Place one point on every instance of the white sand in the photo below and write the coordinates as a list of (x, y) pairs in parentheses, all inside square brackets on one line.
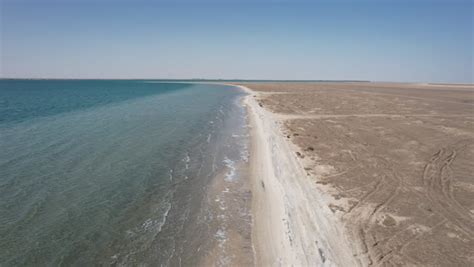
[(292, 224)]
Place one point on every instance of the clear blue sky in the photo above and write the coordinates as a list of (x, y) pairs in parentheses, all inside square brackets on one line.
[(385, 40)]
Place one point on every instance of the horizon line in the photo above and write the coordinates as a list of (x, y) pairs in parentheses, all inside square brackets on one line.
[(239, 80)]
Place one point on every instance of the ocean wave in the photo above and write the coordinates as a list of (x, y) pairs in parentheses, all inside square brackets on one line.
[(152, 226), (155, 226)]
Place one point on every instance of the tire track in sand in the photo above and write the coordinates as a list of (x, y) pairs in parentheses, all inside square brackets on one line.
[(437, 178)]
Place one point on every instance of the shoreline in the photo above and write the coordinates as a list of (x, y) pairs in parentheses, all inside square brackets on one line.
[(292, 224), (228, 195)]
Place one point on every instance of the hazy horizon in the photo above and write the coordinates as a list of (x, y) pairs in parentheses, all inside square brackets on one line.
[(394, 41)]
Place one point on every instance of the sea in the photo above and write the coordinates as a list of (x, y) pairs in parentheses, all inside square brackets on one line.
[(123, 172)]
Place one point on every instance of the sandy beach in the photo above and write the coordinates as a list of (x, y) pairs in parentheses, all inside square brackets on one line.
[(359, 174)]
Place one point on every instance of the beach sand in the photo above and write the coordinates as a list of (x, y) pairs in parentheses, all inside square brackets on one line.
[(362, 174)]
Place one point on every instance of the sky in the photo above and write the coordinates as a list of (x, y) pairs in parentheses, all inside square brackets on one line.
[(378, 40)]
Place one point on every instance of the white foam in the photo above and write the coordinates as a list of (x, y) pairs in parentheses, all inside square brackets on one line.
[(164, 217), (156, 225), (186, 159), (221, 236), (244, 153), (230, 175)]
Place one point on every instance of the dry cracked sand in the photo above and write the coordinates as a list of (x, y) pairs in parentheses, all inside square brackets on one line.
[(396, 158)]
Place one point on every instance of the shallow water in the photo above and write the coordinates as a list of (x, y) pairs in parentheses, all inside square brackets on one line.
[(118, 172)]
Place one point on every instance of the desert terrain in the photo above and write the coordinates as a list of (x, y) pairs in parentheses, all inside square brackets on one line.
[(396, 161)]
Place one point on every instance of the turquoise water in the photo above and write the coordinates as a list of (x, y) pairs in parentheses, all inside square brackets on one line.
[(112, 172)]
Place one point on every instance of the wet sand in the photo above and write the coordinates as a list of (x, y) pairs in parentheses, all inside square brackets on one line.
[(362, 173)]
